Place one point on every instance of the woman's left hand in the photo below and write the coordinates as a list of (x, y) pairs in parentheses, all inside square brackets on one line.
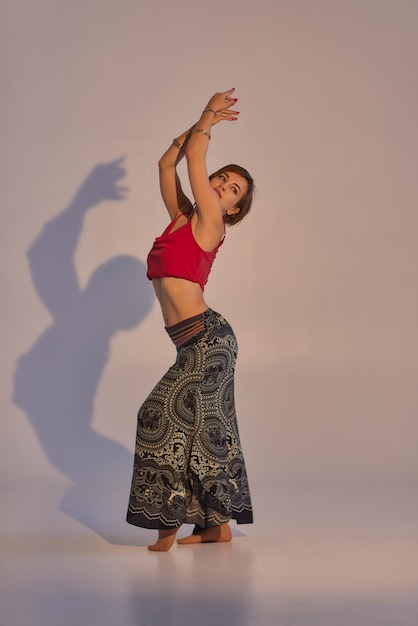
[(221, 103)]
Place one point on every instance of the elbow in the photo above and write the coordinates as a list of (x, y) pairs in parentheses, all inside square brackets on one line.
[(165, 164)]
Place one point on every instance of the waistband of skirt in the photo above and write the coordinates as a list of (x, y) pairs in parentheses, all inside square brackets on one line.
[(187, 329)]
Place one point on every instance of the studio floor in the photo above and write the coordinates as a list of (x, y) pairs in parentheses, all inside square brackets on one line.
[(315, 556)]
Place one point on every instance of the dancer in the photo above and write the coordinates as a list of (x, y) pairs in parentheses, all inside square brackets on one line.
[(189, 467)]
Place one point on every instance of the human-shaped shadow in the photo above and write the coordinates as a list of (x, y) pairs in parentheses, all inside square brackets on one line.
[(57, 379)]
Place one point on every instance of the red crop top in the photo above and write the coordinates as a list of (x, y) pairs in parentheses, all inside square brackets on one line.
[(179, 255)]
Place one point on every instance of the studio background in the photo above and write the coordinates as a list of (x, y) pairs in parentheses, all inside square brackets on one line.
[(319, 281)]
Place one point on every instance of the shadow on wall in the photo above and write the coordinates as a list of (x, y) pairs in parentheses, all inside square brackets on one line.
[(57, 379)]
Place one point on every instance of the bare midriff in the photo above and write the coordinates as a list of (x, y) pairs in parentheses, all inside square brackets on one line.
[(179, 299)]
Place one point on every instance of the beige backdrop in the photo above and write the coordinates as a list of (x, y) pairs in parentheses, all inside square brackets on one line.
[(320, 281)]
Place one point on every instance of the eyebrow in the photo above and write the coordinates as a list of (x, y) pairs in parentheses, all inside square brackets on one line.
[(227, 175)]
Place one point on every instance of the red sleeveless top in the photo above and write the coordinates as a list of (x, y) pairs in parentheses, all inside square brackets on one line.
[(179, 255)]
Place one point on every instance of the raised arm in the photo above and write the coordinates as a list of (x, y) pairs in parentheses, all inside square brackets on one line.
[(210, 218), (173, 196)]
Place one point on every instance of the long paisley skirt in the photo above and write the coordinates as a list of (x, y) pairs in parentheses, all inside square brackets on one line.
[(189, 467)]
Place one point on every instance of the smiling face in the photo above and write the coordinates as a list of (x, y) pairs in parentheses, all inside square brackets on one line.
[(231, 188)]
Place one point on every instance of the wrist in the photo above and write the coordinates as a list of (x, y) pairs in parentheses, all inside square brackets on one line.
[(203, 131), (178, 144)]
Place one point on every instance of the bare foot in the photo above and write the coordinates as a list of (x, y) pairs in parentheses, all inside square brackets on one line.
[(164, 542), (214, 534)]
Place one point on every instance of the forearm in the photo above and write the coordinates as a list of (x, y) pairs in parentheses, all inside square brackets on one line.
[(198, 141), (174, 153), (174, 198), (194, 144)]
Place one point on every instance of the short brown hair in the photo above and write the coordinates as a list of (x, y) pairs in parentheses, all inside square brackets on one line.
[(245, 203)]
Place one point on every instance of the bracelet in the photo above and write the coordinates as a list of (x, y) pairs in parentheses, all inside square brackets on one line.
[(201, 130), (209, 110), (178, 145)]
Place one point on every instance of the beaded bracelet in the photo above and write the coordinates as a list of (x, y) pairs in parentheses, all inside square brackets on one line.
[(201, 130), (178, 145)]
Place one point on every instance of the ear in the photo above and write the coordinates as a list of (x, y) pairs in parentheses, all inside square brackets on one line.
[(233, 211)]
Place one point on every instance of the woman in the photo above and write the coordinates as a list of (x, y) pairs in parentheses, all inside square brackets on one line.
[(189, 467)]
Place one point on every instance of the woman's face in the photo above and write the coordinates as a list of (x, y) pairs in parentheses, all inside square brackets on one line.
[(230, 188)]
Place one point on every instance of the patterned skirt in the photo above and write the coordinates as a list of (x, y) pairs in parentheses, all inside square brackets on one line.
[(189, 467)]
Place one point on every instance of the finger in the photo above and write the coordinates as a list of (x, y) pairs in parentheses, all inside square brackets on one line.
[(227, 95), (228, 104), (229, 118), (227, 112)]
